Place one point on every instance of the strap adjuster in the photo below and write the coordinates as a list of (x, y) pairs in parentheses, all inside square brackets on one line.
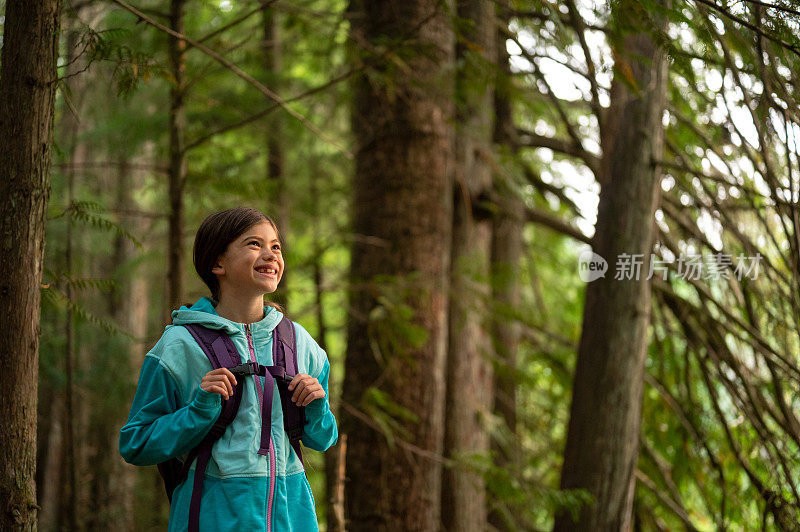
[(286, 379), (254, 368), (243, 370)]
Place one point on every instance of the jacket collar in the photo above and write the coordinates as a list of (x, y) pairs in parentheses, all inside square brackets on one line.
[(204, 313)]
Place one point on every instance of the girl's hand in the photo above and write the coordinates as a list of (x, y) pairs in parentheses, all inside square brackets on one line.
[(306, 389), (219, 381)]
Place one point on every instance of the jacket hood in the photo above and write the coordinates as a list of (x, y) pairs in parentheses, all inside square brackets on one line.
[(204, 313)]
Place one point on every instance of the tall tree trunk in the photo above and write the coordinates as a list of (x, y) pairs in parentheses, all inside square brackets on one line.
[(603, 435), (469, 374), (507, 226), (177, 156), (27, 93), (273, 55), (113, 489), (400, 259)]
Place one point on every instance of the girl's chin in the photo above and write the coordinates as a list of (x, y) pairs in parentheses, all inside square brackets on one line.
[(269, 286)]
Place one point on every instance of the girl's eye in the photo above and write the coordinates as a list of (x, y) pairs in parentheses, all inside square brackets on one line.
[(277, 246), (253, 242)]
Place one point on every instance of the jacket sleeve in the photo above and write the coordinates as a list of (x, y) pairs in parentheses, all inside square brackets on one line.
[(159, 427), (320, 431)]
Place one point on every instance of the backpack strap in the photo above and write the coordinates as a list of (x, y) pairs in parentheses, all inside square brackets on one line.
[(284, 354), (221, 352)]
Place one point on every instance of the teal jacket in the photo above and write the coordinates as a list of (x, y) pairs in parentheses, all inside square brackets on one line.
[(171, 414)]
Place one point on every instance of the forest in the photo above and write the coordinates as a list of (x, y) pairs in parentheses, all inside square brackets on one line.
[(551, 249)]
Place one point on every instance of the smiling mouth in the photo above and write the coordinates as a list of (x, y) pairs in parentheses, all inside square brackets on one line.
[(267, 272)]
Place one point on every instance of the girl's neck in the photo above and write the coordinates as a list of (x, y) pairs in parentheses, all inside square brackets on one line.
[(241, 311)]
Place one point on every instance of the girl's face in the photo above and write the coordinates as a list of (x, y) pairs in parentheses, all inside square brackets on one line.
[(252, 264)]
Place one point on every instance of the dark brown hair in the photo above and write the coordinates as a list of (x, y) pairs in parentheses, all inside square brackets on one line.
[(216, 232)]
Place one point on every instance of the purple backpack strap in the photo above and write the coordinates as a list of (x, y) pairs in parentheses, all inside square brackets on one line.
[(284, 355), (221, 352)]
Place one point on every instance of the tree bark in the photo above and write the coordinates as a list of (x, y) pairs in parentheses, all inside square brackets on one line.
[(507, 225), (402, 120), (177, 157), (603, 435), (27, 93), (469, 370)]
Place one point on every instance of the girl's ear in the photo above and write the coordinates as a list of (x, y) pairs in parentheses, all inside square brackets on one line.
[(218, 269)]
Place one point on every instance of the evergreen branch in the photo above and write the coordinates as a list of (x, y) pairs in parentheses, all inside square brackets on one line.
[(791, 47), (239, 72), (235, 22), (385, 53), (546, 219), (776, 503), (532, 140), (573, 134), (371, 423), (667, 499), (695, 430), (532, 177), (58, 298), (250, 119), (203, 72), (543, 16), (80, 283), (129, 65), (773, 6), (579, 26), (84, 211), (534, 215)]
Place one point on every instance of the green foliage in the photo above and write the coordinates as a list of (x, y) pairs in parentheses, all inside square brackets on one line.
[(388, 415), (79, 283), (517, 496), (87, 212), (59, 300), (391, 328), (130, 66)]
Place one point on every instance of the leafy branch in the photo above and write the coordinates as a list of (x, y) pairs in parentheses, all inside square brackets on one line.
[(86, 211)]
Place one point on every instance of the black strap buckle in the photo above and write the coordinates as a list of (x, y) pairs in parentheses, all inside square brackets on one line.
[(285, 379), (243, 370)]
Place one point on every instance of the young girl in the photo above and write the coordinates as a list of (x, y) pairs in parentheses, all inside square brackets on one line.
[(237, 253)]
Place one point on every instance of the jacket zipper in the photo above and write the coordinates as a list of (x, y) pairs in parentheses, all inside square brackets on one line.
[(271, 447)]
